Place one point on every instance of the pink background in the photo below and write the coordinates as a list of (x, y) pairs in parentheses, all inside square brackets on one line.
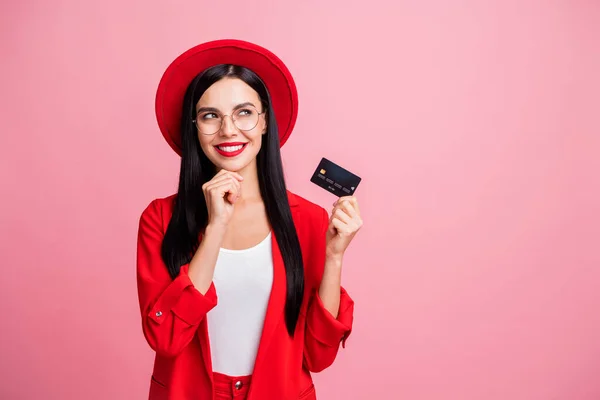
[(475, 127)]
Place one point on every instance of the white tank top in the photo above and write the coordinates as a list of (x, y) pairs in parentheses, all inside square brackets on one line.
[(243, 280)]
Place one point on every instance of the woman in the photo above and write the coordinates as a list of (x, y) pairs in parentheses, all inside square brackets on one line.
[(238, 278)]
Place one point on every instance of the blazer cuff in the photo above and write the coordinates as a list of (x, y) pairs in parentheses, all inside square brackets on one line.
[(327, 329), (184, 300)]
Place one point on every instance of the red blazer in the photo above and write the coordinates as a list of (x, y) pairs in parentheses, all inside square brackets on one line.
[(174, 323)]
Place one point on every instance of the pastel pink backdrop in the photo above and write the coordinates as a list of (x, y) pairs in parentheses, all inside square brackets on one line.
[(474, 125)]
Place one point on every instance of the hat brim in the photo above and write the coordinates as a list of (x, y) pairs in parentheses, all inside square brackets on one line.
[(180, 73)]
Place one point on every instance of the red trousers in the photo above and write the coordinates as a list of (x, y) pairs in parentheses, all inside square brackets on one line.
[(231, 387)]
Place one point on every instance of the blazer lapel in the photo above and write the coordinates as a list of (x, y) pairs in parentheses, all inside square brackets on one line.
[(205, 347)]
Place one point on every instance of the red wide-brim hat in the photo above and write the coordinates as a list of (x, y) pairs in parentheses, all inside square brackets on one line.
[(181, 72)]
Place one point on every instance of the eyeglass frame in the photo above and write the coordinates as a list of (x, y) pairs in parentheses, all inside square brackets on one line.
[(222, 116)]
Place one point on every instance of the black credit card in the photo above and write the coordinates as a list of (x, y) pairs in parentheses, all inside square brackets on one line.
[(335, 179)]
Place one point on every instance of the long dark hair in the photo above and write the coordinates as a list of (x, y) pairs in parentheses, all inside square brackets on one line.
[(190, 214)]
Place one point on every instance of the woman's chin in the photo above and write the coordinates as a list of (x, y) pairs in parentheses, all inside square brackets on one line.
[(229, 165), (234, 164)]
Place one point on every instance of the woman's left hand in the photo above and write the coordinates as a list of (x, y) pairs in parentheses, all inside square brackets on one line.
[(344, 222)]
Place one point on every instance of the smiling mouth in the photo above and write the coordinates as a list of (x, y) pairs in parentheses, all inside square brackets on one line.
[(231, 149)]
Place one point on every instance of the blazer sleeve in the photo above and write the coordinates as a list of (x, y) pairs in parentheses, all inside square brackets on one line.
[(323, 332), (171, 309)]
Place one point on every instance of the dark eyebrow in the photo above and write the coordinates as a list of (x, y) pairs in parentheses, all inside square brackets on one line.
[(216, 110)]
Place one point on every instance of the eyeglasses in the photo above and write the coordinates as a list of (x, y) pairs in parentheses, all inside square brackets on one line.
[(210, 121)]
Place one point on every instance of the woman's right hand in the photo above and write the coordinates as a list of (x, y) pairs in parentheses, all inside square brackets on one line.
[(221, 193)]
